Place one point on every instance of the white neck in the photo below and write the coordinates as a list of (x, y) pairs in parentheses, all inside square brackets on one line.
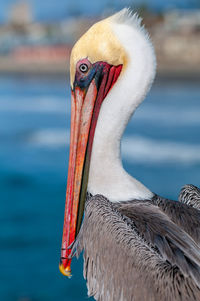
[(106, 175)]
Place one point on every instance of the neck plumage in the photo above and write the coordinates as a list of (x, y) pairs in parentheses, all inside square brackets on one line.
[(107, 175)]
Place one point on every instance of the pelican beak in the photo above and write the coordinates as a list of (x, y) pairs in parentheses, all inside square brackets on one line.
[(86, 99)]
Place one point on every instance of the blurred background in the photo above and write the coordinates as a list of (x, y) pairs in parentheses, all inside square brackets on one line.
[(161, 146)]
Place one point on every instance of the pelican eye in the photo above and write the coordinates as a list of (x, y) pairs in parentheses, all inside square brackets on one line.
[(83, 68)]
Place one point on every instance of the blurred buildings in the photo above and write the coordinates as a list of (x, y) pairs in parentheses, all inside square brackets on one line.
[(177, 41), (45, 47), (20, 14)]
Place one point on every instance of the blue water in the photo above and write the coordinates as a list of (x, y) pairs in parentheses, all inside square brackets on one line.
[(161, 147)]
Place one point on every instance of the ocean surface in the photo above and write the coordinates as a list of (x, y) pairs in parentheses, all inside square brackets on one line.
[(161, 148)]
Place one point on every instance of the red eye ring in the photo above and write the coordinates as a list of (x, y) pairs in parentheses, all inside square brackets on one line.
[(83, 68)]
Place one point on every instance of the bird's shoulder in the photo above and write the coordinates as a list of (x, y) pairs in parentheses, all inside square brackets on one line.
[(181, 213), (190, 195), (164, 234)]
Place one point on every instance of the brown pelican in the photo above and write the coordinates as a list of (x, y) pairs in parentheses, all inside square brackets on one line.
[(137, 245)]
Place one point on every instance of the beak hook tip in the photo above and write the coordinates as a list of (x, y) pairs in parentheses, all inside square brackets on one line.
[(65, 271)]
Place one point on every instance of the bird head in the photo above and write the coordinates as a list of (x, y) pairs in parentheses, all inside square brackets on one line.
[(98, 61)]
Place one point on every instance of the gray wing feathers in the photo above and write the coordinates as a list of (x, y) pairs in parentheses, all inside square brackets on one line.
[(190, 195), (173, 244), (128, 258), (183, 215)]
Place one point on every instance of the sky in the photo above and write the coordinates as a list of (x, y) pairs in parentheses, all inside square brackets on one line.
[(44, 10)]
